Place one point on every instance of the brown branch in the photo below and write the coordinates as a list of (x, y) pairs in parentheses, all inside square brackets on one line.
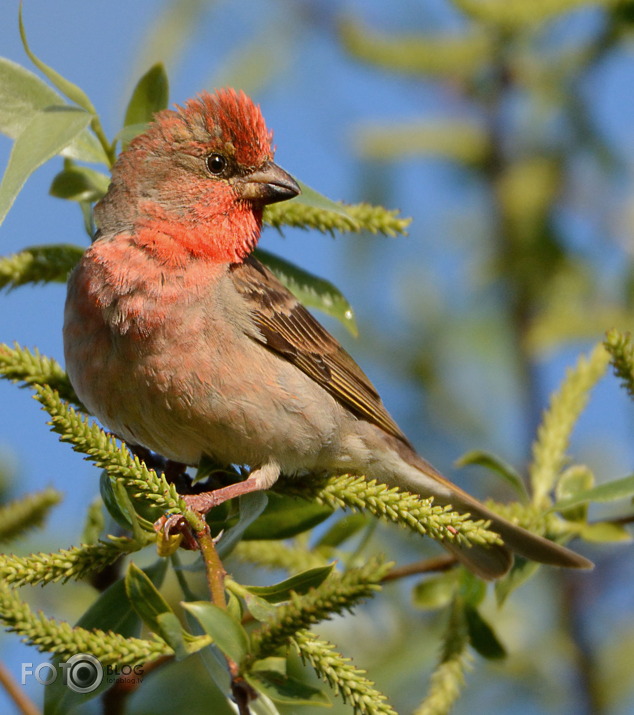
[(439, 563), (213, 566), (23, 703), (242, 692)]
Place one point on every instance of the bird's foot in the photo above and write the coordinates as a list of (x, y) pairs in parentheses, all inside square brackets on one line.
[(262, 478), (174, 531), (206, 501)]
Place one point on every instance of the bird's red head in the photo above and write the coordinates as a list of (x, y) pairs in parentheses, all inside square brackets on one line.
[(197, 180)]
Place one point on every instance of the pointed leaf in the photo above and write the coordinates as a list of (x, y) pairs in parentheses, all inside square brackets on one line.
[(611, 491), (575, 479), (435, 592), (273, 663), (497, 465), (74, 93), (260, 609), (22, 95), (48, 132), (286, 516), (604, 531), (168, 625), (212, 659), (482, 636), (311, 291), (251, 506), (127, 134), (116, 510), (226, 632), (150, 95), (145, 598), (299, 583), (312, 198), (284, 689), (173, 633), (110, 612), (79, 183), (521, 572)]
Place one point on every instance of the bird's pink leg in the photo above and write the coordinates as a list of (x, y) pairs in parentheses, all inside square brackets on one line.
[(259, 479)]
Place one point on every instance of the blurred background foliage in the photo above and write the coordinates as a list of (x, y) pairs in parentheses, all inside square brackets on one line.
[(504, 129)]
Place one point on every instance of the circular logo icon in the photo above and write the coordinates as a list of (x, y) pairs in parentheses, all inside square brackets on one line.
[(83, 673)]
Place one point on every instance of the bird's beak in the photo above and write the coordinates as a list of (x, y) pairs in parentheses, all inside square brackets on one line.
[(267, 185)]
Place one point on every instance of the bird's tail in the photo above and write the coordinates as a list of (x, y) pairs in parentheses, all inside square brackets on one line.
[(487, 562)]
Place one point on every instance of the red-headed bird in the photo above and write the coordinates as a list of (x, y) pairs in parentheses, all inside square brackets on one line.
[(180, 341)]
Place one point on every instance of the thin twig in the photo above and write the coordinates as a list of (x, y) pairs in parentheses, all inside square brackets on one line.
[(216, 580), (438, 563), (23, 703), (213, 566)]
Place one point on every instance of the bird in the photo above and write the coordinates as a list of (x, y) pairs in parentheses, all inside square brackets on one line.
[(181, 342)]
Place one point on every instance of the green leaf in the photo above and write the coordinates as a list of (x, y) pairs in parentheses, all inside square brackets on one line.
[(74, 93), (48, 132), (260, 609), (251, 507), (435, 592), (497, 465), (111, 611), (273, 663), (299, 583), (482, 637), (145, 598), (284, 689), (127, 134), (575, 479), (22, 95), (235, 607), (227, 633), (312, 198), (286, 516), (611, 491), (183, 643), (150, 95), (604, 531), (79, 183), (116, 510), (310, 290), (343, 529), (521, 572)]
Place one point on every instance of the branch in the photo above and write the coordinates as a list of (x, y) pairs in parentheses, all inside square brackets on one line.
[(392, 504)]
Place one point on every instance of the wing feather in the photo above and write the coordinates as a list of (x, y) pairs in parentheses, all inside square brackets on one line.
[(287, 328)]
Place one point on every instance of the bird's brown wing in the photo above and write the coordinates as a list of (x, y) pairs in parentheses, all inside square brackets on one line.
[(287, 328)]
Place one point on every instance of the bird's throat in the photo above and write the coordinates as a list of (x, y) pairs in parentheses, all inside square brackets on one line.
[(218, 237)]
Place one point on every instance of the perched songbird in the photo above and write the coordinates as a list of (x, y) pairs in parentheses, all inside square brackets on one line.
[(179, 341)]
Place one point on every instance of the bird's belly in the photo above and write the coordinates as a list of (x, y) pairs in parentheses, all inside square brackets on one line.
[(200, 399)]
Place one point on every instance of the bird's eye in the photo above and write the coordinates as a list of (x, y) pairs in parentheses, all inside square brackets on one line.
[(216, 163)]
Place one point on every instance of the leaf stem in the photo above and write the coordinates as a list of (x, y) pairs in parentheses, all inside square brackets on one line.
[(95, 125)]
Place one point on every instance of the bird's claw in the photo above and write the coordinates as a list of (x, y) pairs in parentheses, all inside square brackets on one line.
[(174, 531)]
